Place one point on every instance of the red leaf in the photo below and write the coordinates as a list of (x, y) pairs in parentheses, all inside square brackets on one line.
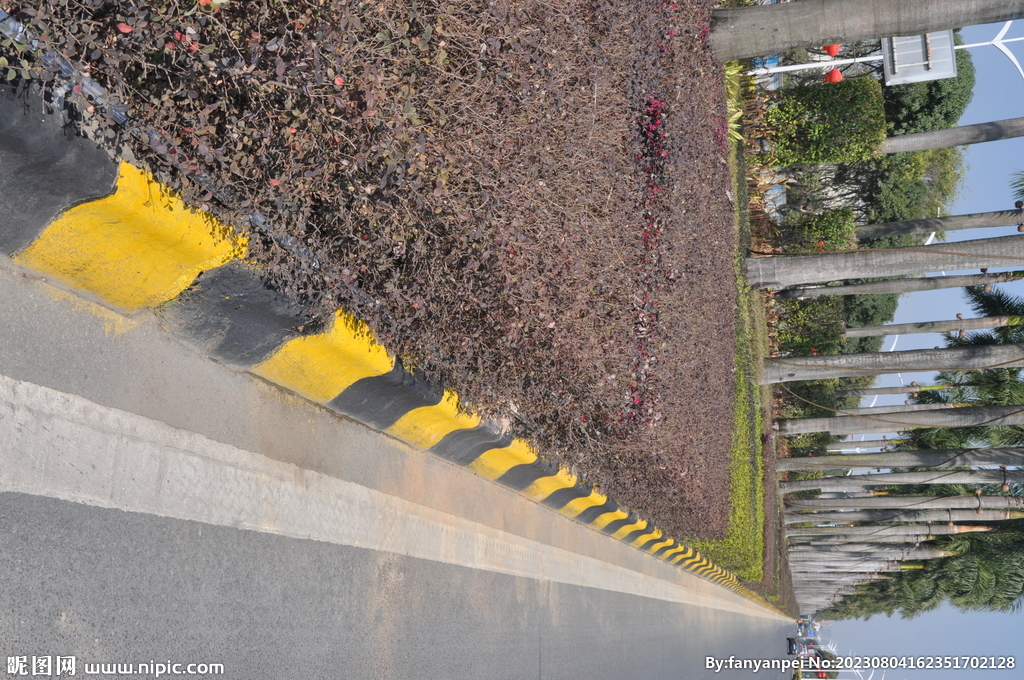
[(124, 28), (205, 3), (339, 81), (275, 182)]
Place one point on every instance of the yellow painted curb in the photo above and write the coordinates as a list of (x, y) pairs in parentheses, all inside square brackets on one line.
[(425, 426), (137, 248), (322, 366)]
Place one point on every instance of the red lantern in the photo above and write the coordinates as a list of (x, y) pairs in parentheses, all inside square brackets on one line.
[(831, 50), (834, 76)]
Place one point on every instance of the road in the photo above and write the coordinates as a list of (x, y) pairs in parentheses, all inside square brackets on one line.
[(159, 508)]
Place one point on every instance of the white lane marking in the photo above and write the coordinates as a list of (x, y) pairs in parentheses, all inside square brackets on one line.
[(64, 446)]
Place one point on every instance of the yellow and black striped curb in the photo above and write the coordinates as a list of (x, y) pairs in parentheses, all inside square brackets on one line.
[(72, 214)]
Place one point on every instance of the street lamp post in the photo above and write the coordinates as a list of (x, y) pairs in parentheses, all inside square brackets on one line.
[(996, 42)]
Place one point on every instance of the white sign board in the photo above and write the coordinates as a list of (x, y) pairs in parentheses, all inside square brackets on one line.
[(918, 58)]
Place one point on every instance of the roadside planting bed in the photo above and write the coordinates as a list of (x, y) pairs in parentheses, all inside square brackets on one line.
[(525, 200)]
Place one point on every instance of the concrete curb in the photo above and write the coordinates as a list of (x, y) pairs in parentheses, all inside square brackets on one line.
[(70, 213)]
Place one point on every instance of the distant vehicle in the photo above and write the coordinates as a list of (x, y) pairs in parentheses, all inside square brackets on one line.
[(798, 646)]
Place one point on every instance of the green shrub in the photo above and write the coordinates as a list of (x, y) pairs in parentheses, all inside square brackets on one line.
[(808, 327), (830, 230), (828, 122)]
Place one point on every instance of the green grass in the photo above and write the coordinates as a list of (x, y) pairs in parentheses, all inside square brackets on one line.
[(742, 549)]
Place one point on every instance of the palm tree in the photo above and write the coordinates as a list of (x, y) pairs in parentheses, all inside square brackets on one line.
[(847, 539), (898, 286), (854, 482), (741, 32), (788, 369), (1010, 456), (899, 389), (990, 387), (989, 303), (863, 443), (971, 502), (797, 270), (874, 533), (934, 326), (900, 408), (927, 225), (955, 136), (940, 417), (987, 573), (1017, 184), (904, 515), (885, 550)]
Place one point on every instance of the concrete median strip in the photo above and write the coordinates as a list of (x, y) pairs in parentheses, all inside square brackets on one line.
[(137, 464), (129, 242)]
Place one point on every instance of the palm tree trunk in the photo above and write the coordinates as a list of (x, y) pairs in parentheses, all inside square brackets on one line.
[(810, 580), (847, 494), (847, 539), (955, 136), (788, 369), (854, 482), (741, 32), (904, 516), (967, 416), (935, 326), (899, 389), (998, 218), (883, 550), (797, 270), (862, 444), (1010, 456), (909, 502), (899, 286), (899, 408), (854, 563), (875, 533)]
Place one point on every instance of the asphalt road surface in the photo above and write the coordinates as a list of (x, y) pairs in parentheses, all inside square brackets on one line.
[(157, 508)]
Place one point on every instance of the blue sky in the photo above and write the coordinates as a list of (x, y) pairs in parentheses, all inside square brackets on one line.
[(999, 94)]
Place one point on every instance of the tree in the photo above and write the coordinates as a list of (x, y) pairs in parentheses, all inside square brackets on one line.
[(875, 550), (1001, 385), (899, 408), (955, 136), (824, 123), (741, 32), (987, 573), (909, 503), (899, 389), (875, 533), (935, 326), (934, 104), (900, 286), (780, 271), (904, 515), (787, 369), (855, 482), (1017, 184), (939, 416), (1010, 456), (993, 302), (990, 387), (927, 225)]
